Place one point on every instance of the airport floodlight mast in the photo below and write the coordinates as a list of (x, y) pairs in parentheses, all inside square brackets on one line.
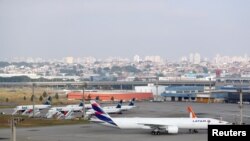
[(157, 89), (13, 128), (33, 99), (241, 105), (83, 89), (210, 91)]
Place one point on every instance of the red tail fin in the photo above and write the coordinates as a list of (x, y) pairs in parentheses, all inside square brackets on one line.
[(191, 112)]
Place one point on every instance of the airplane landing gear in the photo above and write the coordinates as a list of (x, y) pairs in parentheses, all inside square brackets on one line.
[(191, 131), (155, 132)]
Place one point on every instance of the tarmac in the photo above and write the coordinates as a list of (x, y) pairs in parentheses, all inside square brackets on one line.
[(94, 132)]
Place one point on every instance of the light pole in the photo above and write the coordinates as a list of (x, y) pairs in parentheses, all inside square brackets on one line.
[(13, 128), (83, 88), (33, 99), (210, 91), (156, 86), (241, 105)]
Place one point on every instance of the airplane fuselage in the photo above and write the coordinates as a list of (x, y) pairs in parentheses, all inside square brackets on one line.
[(148, 123), (26, 109)]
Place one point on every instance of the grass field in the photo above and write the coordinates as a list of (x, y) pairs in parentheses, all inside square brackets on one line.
[(15, 96), (3, 107), (34, 122)]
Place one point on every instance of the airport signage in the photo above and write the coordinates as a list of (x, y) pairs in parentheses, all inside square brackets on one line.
[(216, 132)]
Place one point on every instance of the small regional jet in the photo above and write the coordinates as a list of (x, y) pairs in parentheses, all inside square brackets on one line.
[(130, 106), (108, 109), (28, 109), (86, 106), (64, 112), (156, 125)]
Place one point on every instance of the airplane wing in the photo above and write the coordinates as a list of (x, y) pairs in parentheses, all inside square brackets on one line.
[(172, 129), (154, 126)]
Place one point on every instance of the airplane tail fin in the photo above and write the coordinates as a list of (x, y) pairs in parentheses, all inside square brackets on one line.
[(132, 102), (119, 105), (191, 112), (101, 114), (81, 104), (48, 101)]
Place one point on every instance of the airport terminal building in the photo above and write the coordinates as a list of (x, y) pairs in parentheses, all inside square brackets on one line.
[(181, 93), (231, 93), (227, 94)]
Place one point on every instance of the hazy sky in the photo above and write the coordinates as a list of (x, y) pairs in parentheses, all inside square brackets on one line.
[(102, 28)]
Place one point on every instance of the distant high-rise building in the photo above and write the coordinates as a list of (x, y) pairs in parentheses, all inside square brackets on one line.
[(89, 59), (184, 59), (156, 59), (137, 58), (191, 58), (197, 58), (194, 58), (69, 60), (206, 59)]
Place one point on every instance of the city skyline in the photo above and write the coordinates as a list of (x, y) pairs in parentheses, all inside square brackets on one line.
[(194, 58), (170, 29)]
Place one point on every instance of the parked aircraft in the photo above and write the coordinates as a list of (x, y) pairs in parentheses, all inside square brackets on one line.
[(28, 109), (156, 125), (130, 106), (64, 112), (108, 109)]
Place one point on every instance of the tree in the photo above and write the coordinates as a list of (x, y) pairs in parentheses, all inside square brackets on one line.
[(24, 98), (97, 98), (89, 97), (112, 99), (41, 98), (160, 74), (131, 69), (7, 99), (57, 96), (205, 70), (32, 98), (45, 94)]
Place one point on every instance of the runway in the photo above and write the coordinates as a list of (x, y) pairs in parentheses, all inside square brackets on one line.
[(93, 132)]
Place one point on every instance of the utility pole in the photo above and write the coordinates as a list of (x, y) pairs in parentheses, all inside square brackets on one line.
[(33, 99), (241, 106), (157, 96), (210, 91), (13, 128), (83, 88)]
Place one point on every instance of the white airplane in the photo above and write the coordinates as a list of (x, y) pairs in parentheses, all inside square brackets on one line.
[(157, 125), (64, 112), (108, 109), (130, 106), (28, 109), (86, 106)]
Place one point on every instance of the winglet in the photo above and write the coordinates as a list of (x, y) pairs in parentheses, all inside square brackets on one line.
[(191, 112)]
